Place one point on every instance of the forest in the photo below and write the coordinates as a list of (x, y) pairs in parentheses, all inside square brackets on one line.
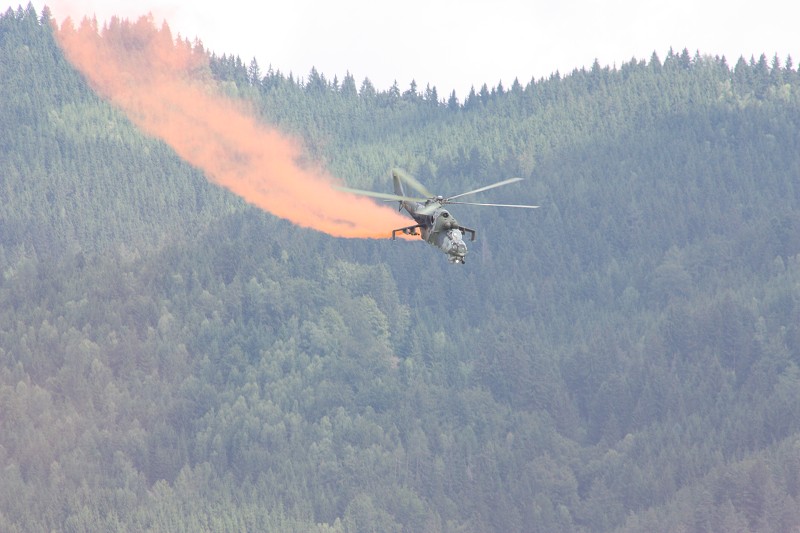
[(624, 359)]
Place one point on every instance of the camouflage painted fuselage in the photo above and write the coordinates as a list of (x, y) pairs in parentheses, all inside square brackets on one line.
[(438, 227)]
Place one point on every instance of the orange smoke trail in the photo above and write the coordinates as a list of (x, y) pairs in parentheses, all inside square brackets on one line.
[(165, 88)]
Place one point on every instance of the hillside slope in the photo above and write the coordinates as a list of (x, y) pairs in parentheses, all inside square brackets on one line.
[(624, 359)]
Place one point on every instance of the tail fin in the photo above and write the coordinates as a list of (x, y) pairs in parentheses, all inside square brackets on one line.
[(398, 188)]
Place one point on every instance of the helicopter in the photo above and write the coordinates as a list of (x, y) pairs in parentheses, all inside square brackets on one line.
[(434, 224)]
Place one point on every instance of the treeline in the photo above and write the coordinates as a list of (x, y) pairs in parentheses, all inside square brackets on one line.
[(753, 75), (624, 359)]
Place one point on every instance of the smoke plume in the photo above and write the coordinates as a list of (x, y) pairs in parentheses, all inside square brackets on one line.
[(164, 86)]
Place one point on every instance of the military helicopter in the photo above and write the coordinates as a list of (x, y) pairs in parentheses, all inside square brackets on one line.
[(436, 225)]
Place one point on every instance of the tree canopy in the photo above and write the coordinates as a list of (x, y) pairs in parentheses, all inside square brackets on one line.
[(623, 359)]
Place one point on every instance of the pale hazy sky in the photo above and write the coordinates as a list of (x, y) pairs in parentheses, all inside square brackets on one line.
[(454, 45)]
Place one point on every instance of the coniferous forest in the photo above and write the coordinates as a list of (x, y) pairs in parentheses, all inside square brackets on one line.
[(624, 359)]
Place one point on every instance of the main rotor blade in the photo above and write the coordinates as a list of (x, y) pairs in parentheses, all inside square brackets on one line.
[(429, 209), (498, 184), (383, 195), (496, 205), (416, 185)]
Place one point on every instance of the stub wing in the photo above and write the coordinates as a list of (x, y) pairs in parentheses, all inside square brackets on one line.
[(408, 230), (468, 230)]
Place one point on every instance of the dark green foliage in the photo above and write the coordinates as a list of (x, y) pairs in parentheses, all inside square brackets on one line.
[(624, 359)]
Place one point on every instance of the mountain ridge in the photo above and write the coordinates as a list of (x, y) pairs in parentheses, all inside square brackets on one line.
[(626, 359)]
